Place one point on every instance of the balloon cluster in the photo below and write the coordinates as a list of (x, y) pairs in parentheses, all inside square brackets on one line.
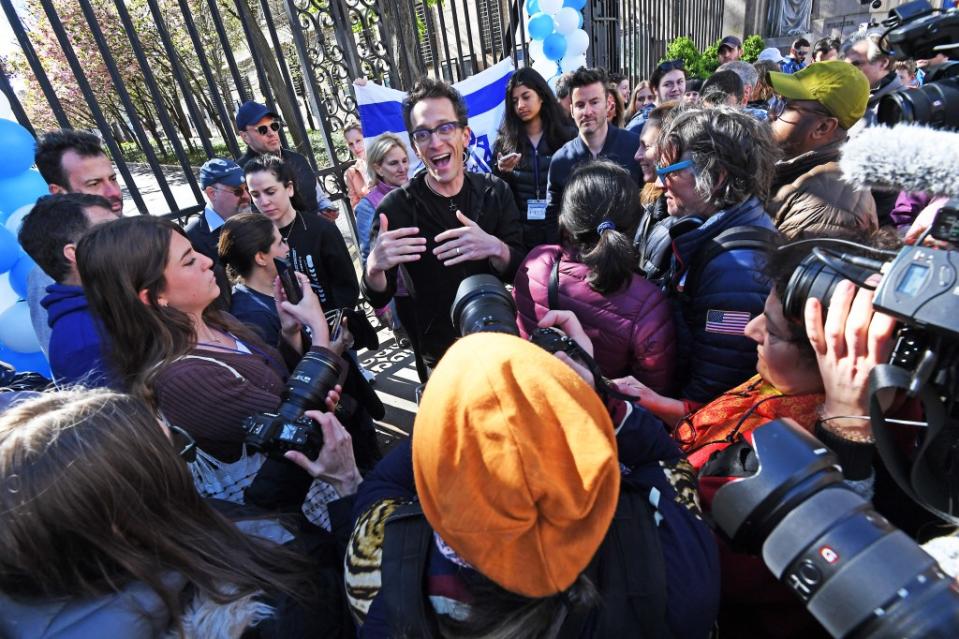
[(20, 186), (558, 42)]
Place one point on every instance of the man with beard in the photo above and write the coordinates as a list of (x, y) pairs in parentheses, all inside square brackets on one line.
[(811, 116), (596, 139), (71, 162)]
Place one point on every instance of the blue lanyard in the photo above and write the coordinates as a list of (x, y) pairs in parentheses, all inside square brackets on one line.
[(535, 167)]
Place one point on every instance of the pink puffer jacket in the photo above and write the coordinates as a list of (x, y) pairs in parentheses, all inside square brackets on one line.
[(631, 330)]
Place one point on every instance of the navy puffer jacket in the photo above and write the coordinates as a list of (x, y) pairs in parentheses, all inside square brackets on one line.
[(714, 353), (527, 181), (631, 330)]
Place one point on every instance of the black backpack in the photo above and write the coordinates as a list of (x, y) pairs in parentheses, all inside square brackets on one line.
[(628, 571)]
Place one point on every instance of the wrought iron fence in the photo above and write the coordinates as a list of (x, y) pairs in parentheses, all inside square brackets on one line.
[(194, 61)]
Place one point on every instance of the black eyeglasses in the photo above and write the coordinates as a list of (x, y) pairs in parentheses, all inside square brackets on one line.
[(445, 132), (263, 129), (183, 443)]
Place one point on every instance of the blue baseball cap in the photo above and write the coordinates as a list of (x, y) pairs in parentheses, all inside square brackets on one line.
[(251, 112), (220, 171)]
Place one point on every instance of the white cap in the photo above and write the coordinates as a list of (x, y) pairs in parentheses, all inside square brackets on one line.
[(771, 53)]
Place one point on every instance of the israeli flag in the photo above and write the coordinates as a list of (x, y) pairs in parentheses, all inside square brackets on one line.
[(381, 111)]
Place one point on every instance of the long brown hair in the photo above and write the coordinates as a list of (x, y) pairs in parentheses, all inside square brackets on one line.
[(94, 497), (118, 260)]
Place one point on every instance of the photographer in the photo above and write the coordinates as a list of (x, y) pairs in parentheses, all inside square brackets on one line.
[(518, 469), (200, 368)]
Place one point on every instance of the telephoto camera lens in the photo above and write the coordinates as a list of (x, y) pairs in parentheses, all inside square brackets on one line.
[(314, 377), (858, 575), (814, 278), (482, 304)]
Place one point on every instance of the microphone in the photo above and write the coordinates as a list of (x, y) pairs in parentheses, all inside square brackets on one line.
[(905, 157)]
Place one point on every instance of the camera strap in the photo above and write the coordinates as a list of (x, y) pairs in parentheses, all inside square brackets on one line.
[(929, 477)]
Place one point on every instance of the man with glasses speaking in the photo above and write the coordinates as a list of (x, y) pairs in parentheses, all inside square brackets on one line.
[(260, 128), (811, 115), (445, 225)]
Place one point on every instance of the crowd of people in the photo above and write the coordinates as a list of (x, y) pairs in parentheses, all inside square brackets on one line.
[(652, 226)]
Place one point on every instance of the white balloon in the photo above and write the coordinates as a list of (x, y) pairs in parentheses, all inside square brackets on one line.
[(535, 48), (546, 68), (567, 21), (8, 296), (572, 62), (16, 218), (550, 7), (16, 330), (577, 42)]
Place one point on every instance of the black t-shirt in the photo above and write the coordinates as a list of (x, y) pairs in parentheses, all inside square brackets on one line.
[(317, 250), (442, 206)]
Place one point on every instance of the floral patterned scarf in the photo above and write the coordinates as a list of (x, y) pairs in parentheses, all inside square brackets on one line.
[(727, 418)]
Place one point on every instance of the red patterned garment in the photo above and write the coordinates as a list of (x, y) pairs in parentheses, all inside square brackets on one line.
[(727, 418)]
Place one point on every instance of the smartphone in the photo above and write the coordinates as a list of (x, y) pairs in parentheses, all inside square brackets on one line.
[(510, 156), (291, 285)]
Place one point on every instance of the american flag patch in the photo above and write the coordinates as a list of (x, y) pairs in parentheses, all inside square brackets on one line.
[(726, 322)]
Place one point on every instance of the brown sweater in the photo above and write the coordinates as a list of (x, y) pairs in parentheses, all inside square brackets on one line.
[(209, 401)]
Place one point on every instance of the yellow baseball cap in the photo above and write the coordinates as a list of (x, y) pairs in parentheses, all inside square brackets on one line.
[(839, 86)]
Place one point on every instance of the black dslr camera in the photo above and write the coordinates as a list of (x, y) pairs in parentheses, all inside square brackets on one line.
[(915, 32), (858, 575), (482, 304), (306, 389)]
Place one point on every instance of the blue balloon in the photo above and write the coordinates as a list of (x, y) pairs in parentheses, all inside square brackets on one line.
[(19, 273), (575, 4), (580, 21), (9, 250), (18, 147), (24, 188), (554, 46), (532, 7), (540, 26), (26, 362)]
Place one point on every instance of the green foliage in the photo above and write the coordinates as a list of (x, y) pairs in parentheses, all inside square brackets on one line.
[(708, 61), (752, 47), (682, 48), (702, 64)]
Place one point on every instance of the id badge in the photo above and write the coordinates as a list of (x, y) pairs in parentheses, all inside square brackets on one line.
[(536, 210)]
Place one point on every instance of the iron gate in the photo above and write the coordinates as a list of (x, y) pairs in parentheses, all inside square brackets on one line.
[(160, 80)]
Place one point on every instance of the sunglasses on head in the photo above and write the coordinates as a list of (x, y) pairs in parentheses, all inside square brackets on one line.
[(272, 126), (672, 65)]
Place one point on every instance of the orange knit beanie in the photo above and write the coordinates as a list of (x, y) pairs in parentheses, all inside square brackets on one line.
[(515, 463)]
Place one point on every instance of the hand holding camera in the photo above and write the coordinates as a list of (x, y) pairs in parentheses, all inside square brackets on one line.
[(334, 463), (851, 342)]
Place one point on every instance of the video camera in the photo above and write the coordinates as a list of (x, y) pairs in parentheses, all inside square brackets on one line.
[(915, 32), (859, 576)]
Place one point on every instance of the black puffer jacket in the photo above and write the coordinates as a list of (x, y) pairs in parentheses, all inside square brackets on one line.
[(528, 182)]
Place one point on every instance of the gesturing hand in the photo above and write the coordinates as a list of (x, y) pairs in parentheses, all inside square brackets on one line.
[(848, 346), (468, 243), (394, 247), (335, 463)]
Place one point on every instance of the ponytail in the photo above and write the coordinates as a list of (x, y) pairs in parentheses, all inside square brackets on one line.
[(598, 221)]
